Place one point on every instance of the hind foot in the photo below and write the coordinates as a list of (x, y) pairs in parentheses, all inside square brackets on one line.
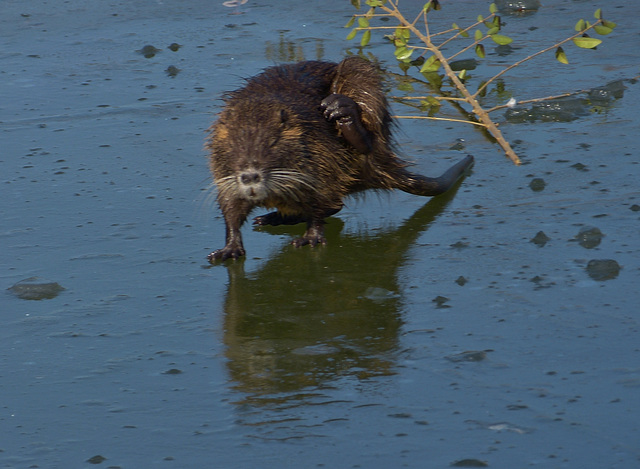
[(313, 236), (310, 240)]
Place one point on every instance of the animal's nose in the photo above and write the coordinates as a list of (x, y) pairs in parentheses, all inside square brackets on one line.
[(250, 177)]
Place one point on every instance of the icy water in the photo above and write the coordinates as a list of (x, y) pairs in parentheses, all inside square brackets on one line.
[(495, 326)]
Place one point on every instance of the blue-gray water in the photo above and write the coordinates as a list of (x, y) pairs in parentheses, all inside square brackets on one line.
[(423, 334)]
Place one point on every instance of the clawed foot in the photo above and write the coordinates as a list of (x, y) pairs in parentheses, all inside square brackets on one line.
[(311, 240), (346, 113), (340, 108), (227, 252), (313, 236)]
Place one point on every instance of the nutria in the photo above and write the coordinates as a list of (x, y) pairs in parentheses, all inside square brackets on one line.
[(300, 138)]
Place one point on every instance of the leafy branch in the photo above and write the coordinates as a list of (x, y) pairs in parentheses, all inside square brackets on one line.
[(405, 31)]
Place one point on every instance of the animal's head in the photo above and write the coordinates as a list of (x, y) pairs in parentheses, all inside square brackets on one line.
[(256, 152)]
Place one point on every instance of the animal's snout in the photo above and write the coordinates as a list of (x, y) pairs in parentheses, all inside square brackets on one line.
[(250, 177)]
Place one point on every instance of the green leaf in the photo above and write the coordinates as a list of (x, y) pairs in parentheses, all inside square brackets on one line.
[(455, 26), (478, 35), (434, 79), (501, 39), (493, 8), (430, 101), (480, 50), (598, 14), (356, 3), (561, 56), (580, 25), (431, 65), (352, 34), (609, 24), (350, 23), (403, 53), (586, 42), (480, 18), (363, 22), (493, 30), (462, 74), (403, 33), (602, 30), (366, 37), (427, 6), (464, 34)]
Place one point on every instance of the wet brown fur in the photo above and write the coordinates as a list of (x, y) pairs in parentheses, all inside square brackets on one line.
[(274, 127)]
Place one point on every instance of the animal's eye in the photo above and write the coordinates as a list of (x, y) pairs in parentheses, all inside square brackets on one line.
[(284, 117)]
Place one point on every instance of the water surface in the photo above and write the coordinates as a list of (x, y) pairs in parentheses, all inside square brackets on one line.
[(425, 333)]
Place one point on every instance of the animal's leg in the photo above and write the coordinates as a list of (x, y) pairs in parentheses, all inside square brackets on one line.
[(426, 186), (234, 218), (345, 112)]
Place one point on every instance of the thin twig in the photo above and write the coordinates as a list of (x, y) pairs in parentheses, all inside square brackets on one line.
[(448, 119), (439, 98), (473, 102)]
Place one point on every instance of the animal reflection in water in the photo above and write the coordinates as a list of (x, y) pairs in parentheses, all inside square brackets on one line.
[(306, 319)]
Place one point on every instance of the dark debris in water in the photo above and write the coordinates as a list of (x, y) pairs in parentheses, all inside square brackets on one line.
[(172, 71), (603, 269), (603, 95), (516, 6), (441, 301), (148, 51), (97, 459), (540, 239), (460, 245), (570, 108), (469, 463), (589, 237), (461, 281), (468, 356), (537, 184), (540, 283), (35, 288), (559, 110)]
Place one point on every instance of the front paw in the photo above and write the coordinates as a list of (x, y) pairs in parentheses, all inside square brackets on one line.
[(345, 112), (227, 252), (340, 108)]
